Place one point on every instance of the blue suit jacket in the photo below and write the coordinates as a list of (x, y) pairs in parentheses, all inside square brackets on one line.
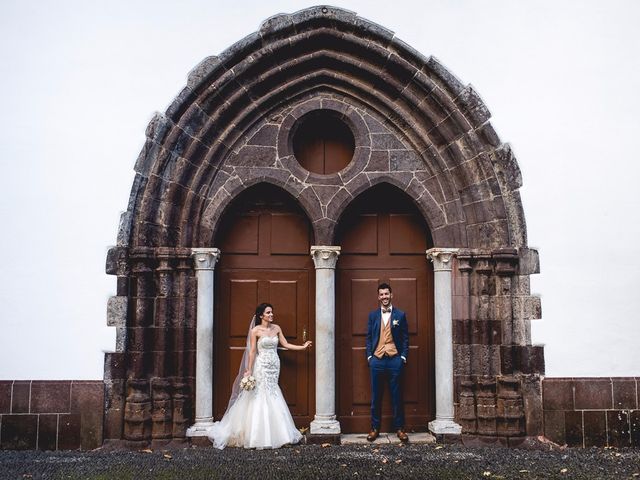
[(399, 331)]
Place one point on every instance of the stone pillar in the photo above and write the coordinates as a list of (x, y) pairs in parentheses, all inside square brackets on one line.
[(442, 259), (205, 261), (324, 422)]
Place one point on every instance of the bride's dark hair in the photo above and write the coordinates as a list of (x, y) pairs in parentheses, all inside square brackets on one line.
[(260, 311)]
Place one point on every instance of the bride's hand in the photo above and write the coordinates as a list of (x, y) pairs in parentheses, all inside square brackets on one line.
[(247, 373), (307, 344)]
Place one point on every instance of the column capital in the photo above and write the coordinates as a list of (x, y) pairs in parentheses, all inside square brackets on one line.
[(325, 256), (441, 258), (205, 258)]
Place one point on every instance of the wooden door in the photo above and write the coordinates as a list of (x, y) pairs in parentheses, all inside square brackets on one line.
[(384, 241), (265, 244)]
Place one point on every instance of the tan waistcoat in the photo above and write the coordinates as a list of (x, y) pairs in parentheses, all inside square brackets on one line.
[(385, 343)]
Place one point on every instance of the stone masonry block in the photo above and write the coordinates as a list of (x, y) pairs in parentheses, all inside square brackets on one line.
[(595, 428), (625, 393), (201, 71), (117, 311), (593, 393), (117, 261), (5, 396), (527, 308), (557, 394), (19, 432), (618, 428), (50, 396), (573, 426), (532, 399), (554, 426), (20, 399), (506, 168), (529, 261)]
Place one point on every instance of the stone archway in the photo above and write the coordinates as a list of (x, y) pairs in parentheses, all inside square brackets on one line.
[(415, 126)]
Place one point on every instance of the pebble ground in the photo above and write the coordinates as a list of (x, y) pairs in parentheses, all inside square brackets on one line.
[(417, 461)]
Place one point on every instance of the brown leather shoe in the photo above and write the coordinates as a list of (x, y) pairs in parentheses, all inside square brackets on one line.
[(373, 434), (404, 438)]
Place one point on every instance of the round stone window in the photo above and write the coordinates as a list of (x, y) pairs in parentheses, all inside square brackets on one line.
[(322, 143)]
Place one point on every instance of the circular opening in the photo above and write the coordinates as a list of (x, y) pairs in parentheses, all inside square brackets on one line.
[(322, 143)]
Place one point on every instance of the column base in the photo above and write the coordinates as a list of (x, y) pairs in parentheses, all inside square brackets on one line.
[(444, 427), (199, 429), (324, 426)]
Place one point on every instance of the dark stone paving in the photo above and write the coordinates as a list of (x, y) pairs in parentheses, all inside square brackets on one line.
[(316, 461)]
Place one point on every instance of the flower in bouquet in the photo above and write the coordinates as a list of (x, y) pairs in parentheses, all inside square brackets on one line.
[(248, 383)]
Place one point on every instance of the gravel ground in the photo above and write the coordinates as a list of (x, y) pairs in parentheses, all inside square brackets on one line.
[(314, 461)]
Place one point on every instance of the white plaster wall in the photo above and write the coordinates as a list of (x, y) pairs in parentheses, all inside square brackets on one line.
[(80, 80)]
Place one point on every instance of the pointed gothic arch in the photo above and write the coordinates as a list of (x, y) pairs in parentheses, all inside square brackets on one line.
[(415, 125)]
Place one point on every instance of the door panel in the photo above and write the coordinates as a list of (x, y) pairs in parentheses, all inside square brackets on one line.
[(384, 239), (264, 242)]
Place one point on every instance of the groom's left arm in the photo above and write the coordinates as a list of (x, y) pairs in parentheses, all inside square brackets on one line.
[(405, 337)]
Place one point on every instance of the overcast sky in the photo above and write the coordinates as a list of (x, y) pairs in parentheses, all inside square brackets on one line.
[(80, 80)]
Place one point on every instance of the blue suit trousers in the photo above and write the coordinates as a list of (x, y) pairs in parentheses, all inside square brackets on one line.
[(381, 369)]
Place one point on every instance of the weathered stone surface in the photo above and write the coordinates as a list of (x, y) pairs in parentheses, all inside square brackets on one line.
[(19, 432), (201, 71), (117, 311), (50, 396), (117, 261)]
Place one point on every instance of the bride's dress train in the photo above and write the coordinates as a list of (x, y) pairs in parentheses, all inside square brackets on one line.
[(259, 418)]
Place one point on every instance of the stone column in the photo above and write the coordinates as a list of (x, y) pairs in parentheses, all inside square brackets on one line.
[(205, 260), (443, 424), (324, 422)]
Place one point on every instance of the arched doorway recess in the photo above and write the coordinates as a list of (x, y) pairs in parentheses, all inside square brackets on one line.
[(265, 238), (383, 237)]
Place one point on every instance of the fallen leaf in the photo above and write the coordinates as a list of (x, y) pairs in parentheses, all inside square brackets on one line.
[(399, 461), (523, 471), (563, 470), (486, 474), (384, 460), (343, 464), (167, 456), (147, 450), (325, 445), (376, 450), (438, 447)]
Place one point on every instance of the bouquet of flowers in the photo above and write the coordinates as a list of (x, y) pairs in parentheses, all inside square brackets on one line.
[(248, 383)]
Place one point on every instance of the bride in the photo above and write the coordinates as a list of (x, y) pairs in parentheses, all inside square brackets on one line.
[(258, 418)]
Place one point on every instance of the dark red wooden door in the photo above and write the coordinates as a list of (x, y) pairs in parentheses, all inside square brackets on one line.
[(384, 238), (265, 242)]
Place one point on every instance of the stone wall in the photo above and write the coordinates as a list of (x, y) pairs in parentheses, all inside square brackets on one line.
[(149, 376), (585, 412), (51, 415), (496, 369)]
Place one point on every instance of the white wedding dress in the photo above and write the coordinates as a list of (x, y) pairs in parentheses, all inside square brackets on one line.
[(259, 418)]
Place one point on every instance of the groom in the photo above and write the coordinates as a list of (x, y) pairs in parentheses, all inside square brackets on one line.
[(387, 350)]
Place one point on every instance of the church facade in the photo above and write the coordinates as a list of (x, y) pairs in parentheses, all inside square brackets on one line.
[(312, 160)]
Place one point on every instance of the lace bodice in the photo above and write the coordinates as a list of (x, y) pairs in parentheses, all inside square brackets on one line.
[(267, 369), (267, 343)]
